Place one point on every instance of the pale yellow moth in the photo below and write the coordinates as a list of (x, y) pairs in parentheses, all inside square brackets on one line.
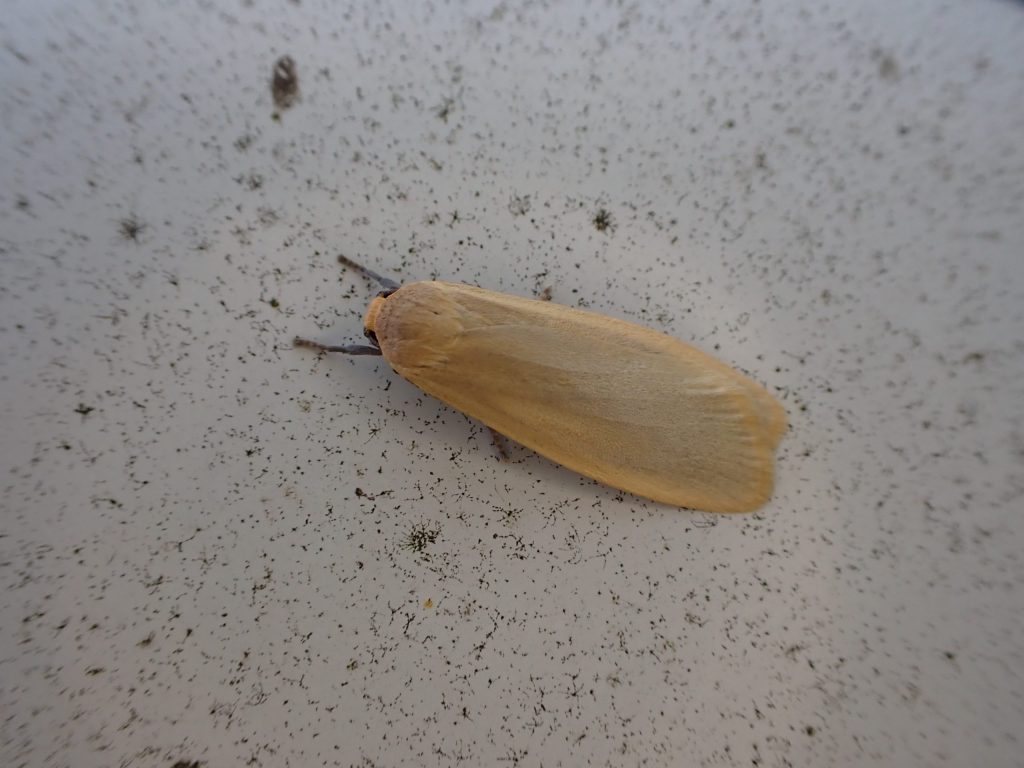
[(625, 405)]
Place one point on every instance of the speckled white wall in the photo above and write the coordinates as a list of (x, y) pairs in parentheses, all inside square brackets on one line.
[(217, 550)]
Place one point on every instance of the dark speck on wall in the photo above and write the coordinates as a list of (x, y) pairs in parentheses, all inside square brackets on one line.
[(284, 84), (444, 110), (888, 68)]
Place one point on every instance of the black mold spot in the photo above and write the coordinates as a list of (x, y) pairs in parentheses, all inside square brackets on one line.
[(131, 228), (603, 220)]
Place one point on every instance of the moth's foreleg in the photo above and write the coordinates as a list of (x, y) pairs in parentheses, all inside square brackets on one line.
[(499, 444)]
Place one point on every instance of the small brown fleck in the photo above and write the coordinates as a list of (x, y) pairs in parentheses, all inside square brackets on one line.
[(285, 84), (888, 69)]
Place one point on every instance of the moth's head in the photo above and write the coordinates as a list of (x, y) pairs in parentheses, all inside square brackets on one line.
[(415, 325), (372, 313)]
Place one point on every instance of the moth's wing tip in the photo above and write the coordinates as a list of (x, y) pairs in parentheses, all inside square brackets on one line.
[(771, 416), (733, 500), (765, 422), (753, 498), (776, 420)]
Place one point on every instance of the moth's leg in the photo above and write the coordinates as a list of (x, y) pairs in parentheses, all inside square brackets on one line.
[(346, 349), (386, 282), (499, 443)]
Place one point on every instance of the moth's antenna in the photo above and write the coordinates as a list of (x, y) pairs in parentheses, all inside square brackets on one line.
[(345, 349), (389, 285), (386, 282)]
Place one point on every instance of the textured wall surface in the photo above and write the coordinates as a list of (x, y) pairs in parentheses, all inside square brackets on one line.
[(217, 550)]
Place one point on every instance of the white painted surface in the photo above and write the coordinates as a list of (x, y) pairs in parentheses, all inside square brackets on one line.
[(204, 552)]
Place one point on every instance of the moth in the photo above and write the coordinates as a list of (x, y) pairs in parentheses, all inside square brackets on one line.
[(626, 405)]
